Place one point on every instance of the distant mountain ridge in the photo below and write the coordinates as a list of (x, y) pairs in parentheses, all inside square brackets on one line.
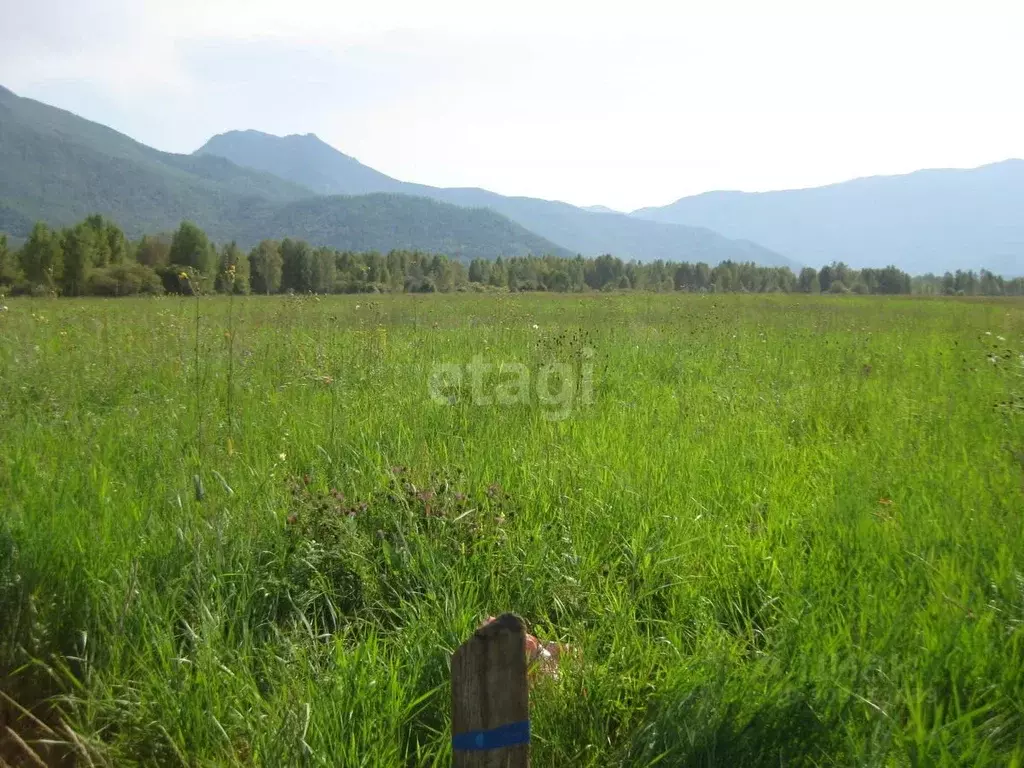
[(58, 167), (247, 185), (927, 221), (305, 157), (307, 160)]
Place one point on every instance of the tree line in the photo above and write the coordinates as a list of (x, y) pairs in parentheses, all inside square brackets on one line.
[(95, 258)]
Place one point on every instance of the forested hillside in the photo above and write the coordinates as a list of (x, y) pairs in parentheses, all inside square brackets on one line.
[(309, 161), (59, 168)]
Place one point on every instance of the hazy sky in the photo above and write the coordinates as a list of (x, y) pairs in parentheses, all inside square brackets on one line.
[(625, 104)]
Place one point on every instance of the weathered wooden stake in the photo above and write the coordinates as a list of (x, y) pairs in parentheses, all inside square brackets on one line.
[(490, 698)]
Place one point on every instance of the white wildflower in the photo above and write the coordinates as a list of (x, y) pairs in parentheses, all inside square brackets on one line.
[(282, 456)]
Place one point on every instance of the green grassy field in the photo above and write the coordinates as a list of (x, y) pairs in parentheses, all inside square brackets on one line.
[(784, 531)]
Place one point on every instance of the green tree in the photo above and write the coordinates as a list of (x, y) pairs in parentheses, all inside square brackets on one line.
[(991, 285), (153, 251), (825, 278), (606, 271), (723, 278), (232, 270), (80, 247), (41, 257), (478, 271), (808, 280), (94, 228), (191, 248), (10, 273), (322, 270), (117, 243), (265, 267), (376, 268), (296, 266), (948, 284), (683, 278), (844, 273), (558, 281), (965, 283), (497, 276), (124, 280)]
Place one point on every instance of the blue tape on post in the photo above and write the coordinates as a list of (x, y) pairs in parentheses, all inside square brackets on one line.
[(509, 735)]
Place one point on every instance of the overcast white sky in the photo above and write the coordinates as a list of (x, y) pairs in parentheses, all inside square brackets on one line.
[(625, 104)]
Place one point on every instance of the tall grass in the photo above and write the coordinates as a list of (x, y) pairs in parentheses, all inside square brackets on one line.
[(787, 530)]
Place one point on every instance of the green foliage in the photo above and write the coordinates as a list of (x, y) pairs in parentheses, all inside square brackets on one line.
[(297, 267), (233, 270), (479, 271), (124, 279), (81, 246), (825, 278), (41, 258), (265, 265), (785, 531), (90, 244), (154, 251), (398, 222), (84, 167), (10, 270), (110, 244), (967, 283), (191, 248), (322, 270), (808, 280)]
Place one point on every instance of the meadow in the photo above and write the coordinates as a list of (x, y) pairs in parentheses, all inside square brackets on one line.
[(780, 531)]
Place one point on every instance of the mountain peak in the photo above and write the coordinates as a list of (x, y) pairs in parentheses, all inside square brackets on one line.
[(256, 134), (303, 158), (312, 140), (307, 160), (58, 168)]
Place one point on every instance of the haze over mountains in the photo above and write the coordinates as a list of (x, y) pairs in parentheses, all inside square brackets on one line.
[(306, 160), (57, 167), (248, 185), (928, 221)]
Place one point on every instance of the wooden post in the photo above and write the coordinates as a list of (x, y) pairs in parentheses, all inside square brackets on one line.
[(490, 698)]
